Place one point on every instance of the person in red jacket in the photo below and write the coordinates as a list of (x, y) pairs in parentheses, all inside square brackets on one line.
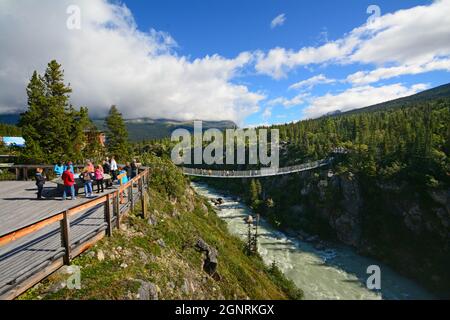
[(69, 182)]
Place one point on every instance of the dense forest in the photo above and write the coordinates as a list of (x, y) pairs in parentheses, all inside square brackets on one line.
[(9, 130), (388, 196), (409, 142)]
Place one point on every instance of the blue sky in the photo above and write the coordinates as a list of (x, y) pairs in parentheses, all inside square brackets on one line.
[(230, 27), (230, 61)]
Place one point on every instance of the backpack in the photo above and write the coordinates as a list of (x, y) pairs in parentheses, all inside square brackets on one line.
[(86, 176)]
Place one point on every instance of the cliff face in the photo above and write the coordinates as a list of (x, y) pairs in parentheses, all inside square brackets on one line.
[(402, 225)]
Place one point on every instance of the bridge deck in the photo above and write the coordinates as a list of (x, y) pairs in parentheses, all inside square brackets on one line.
[(266, 172), (27, 256)]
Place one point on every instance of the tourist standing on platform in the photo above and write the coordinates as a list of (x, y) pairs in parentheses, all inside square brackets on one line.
[(87, 178), (99, 178), (107, 170), (134, 168), (69, 166), (69, 182), (90, 167), (58, 169), (125, 177), (113, 167), (40, 181), (122, 181), (127, 169)]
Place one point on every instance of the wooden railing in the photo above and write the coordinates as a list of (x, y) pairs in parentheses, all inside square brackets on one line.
[(111, 200)]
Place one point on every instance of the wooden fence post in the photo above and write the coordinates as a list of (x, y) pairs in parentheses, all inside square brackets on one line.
[(117, 208), (130, 196), (143, 197), (108, 216), (65, 237)]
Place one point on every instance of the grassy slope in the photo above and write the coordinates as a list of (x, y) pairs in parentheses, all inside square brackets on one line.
[(173, 266)]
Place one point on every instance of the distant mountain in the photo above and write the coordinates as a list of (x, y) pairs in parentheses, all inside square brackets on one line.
[(9, 118), (427, 95), (147, 129), (333, 113)]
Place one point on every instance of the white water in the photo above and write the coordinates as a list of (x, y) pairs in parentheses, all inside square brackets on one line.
[(333, 273)]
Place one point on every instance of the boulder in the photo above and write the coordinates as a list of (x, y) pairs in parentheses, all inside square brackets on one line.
[(148, 291), (210, 262), (100, 255), (152, 221), (161, 243)]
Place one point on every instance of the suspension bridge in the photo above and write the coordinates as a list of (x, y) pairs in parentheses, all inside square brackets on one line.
[(260, 173)]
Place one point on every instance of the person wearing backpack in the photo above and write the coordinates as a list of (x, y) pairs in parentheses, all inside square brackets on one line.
[(87, 178), (107, 170)]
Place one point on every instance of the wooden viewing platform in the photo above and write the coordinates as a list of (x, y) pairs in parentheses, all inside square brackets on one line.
[(37, 237)]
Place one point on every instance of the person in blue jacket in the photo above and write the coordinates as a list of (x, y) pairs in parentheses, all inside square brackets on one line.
[(58, 169), (125, 177)]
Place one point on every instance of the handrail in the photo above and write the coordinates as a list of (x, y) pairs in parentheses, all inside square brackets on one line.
[(265, 172), (36, 226), (64, 230)]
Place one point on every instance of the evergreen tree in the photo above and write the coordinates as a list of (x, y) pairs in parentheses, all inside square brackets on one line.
[(9, 130), (117, 135), (50, 125), (31, 120)]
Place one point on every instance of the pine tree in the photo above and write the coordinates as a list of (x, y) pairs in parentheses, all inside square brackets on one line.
[(50, 127), (253, 191), (31, 121), (117, 135)]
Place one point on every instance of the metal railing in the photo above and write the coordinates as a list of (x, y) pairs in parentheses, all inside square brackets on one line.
[(265, 172)]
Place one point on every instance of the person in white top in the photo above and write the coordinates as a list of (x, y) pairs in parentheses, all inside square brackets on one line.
[(113, 169)]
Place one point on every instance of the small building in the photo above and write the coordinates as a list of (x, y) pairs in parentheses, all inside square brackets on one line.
[(93, 135)]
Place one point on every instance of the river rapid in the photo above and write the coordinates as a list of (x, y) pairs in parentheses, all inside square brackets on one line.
[(335, 272)]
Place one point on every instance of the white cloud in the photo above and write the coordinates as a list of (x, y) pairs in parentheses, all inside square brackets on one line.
[(311, 82), (409, 37), (366, 77), (278, 61), (289, 103), (109, 61), (267, 113), (358, 97), (278, 21)]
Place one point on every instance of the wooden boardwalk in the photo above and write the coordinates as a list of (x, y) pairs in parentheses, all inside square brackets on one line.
[(19, 207), (25, 260)]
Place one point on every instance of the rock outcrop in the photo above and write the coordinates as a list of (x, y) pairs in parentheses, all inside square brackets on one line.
[(398, 223), (210, 262)]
